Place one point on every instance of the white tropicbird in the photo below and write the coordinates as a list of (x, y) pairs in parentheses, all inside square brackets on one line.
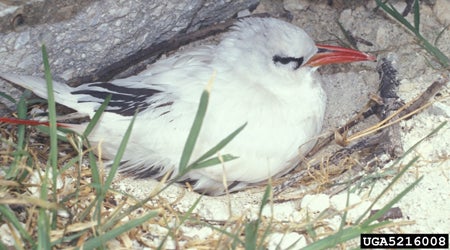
[(265, 76)]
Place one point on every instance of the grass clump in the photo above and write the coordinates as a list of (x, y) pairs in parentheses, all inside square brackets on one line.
[(84, 223), (415, 29)]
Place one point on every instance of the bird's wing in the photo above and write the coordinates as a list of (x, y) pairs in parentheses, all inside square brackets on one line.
[(175, 79), (127, 95), (159, 86)]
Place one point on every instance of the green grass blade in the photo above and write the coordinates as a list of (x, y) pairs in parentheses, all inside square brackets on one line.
[(46, 130), (20, 146), (437, 53), (212, 162), (194, 132), (102, 239), (69, 238), (434, 51), (102, 189), (53, 130), (43, 230), (330, 242), (96, 178), (96, 117), (221, 144), (189, 212), (387, 188), (99, 187), (3, 246), (204, 162), (198, 165), (264, 201), (43, 218), (126, 212), (185, 217), (416, 16), (8, 97), (251, 235), (7, 214), (251, 228), (120, 153), (96, 184), (52, 114), (390, 204), (391, 10)]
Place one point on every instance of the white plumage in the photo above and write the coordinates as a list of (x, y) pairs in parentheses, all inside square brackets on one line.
[(265, 76)]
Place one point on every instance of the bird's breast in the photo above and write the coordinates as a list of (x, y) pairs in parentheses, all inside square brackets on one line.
[(277, 126)]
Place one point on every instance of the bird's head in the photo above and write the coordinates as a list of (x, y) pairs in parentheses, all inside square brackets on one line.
[(272, 45)]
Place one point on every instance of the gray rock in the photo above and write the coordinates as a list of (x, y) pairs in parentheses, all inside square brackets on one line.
[(16, 13), (83, 36), (442, 9)]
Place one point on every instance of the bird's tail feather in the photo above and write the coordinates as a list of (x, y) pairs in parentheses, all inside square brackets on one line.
[(62, 92)]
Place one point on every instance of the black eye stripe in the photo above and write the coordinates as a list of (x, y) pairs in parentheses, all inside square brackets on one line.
[(288, 59)]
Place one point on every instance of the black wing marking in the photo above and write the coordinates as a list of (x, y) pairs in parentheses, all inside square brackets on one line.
[(142, 172), (124, 100)]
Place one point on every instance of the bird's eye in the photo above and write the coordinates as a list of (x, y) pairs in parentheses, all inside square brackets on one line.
[(295, 62)]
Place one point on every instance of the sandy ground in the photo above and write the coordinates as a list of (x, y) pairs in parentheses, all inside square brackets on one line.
[(426, 209)]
